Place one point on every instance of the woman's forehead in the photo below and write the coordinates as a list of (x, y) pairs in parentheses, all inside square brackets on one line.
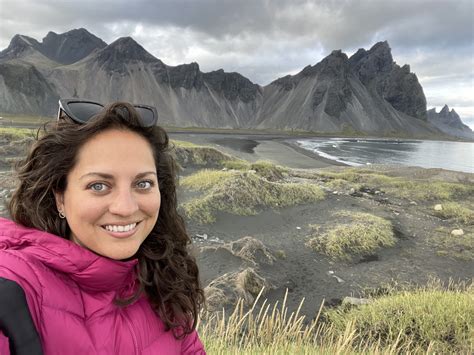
[(116, 153)]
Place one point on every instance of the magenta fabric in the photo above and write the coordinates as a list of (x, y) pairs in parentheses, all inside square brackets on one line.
[(70, 292)]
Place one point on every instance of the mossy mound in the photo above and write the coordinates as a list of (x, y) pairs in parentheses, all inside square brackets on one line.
[(245, 193), (440, 320), (189, 154), (363, 234)]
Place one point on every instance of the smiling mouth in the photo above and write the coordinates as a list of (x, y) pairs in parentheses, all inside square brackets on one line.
[(121, 228)]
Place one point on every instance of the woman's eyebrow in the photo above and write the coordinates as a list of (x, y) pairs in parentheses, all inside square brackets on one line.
[(109, 176)]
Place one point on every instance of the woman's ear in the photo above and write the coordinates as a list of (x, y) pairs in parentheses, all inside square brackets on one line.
[(59, 197)]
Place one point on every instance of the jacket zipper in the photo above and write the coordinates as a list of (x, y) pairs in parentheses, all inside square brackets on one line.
[(134, 337)]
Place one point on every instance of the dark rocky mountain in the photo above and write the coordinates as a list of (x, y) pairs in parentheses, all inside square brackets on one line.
[(367, 93), (449, 122), (71, 46), (65, 48)]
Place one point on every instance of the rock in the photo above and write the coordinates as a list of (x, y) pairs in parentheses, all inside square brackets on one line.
[(355, 301), (457, 232), (438, 207), (202, 236)]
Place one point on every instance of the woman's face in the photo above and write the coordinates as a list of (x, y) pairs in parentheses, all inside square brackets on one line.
[(112, 197)]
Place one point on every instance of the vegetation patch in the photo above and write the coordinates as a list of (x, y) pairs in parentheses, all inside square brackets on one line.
[(12, 133), (458, 247), (227, 289), (244, 193), (457, 212), (363, 234), (435, 319), (205, 179), (195, 155), (429, 320), (395, 186), (264, 168)]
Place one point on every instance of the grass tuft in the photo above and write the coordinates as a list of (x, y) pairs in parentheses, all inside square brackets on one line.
[(11, 133), (417, 321), (425, 318), (364, 234), (246, 193), (396, 186), (457, 212)]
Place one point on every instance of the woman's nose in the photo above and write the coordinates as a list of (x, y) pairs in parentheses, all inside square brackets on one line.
[(124, 203)]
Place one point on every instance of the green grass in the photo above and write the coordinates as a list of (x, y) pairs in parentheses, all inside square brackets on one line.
[(263, 168), (396, 186), (190, 154), (418, 321), (457, 212), (205, 179), (244, 193), (183, 144), (438, 319), (12, 133), (363, 234), (456, 247)]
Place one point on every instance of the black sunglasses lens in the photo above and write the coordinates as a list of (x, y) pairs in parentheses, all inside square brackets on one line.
[(83, 111), (147, 116)]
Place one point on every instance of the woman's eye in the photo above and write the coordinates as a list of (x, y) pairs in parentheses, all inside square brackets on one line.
[(98, 186), (145, 184)]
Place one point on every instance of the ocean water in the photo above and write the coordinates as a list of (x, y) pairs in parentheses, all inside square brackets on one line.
[(458, 156)]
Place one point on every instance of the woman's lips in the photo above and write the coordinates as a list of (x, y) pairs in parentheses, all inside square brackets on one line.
[(122, 234)]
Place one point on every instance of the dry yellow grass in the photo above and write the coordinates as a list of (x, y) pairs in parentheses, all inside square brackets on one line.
[(421, 321), (363, 234), (245, 193)]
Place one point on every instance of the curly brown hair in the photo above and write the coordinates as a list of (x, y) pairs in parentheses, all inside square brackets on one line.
[(168, 274)]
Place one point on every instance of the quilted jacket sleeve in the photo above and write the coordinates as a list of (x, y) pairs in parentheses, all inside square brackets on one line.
[(16, 322), (192, 345)]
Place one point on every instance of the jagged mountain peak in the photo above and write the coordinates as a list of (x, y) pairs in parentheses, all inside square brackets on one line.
[(444, 110), (19, 45), (71, 46), (127, 49), (120, 53)]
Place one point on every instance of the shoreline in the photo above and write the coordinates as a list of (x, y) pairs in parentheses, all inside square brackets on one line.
[(275, 148)]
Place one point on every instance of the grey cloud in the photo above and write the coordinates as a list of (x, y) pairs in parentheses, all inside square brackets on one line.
[(267, 39)]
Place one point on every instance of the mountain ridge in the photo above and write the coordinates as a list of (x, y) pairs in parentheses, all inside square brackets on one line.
[(367, 92)]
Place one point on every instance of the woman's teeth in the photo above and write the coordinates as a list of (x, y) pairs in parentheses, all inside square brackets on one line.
[(127, 228)]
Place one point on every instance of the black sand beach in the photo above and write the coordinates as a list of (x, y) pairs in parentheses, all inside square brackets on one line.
[(279, 149)]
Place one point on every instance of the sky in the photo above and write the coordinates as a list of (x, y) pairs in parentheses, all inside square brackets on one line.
[(267, 39)]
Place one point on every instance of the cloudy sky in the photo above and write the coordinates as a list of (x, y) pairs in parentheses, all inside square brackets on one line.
[(267, 39)]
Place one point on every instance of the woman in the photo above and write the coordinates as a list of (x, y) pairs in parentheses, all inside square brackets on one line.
[(96, 244)]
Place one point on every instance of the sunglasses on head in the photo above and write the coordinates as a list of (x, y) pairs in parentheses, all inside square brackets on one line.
[(81, 111)]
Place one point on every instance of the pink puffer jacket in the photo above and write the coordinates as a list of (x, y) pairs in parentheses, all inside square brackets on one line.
[(70, 293)]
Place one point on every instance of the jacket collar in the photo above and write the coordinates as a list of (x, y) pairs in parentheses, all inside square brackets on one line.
[(92, 272)]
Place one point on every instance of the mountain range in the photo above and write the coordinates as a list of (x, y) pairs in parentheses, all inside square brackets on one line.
[(367, 93)]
